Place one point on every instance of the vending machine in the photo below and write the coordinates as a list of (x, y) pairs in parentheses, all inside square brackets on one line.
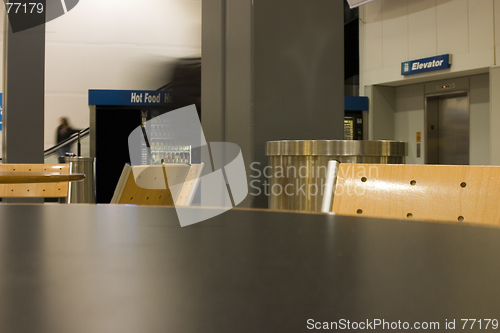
[(356, 108), (353, 125)]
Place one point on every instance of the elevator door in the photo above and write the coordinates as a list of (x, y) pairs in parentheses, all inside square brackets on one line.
[(447, 129)]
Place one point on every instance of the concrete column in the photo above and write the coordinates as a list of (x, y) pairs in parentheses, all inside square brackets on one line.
[(213, 69), (23, 96), (272, 70)]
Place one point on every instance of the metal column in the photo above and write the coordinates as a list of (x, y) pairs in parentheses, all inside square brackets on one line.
[(272, 70)]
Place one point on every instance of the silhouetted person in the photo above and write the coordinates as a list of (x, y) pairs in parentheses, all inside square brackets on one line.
[(64, 132)]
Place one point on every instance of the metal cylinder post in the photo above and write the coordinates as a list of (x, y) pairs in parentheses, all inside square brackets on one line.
[(299, 167), (83, 191), (332, 172)]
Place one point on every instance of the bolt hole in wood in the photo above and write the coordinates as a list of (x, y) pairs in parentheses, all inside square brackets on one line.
[(460, 219), (463, 184), (413, 183), (360, 211), (364, 179), (409, 215)]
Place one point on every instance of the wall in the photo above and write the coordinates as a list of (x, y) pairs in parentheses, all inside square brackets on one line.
[(113, 44), (479, 99), (393, 31), (410, 113), (381, 123), (409, 119), (494, 115)]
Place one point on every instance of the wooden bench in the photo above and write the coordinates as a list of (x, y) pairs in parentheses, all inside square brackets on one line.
[(449, 193), (158, 185)]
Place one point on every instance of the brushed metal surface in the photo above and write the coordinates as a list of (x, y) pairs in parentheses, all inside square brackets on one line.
[(105, 268), (454, 130), (298, 167), (448, 129), (85, 191), (337, 148), (432, 130)]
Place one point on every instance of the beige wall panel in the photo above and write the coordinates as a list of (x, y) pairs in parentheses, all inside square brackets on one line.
[(422, 29), (481, 25), (496, 12), (409, 119), (401, 121), (382, 75), (479, 120), (373, 36), (382, 110), (495, 115), (410, 98), (452, 26), (395, 32), (472, 60)]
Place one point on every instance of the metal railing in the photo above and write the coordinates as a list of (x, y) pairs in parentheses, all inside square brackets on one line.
[(72, 141), (69, 141)]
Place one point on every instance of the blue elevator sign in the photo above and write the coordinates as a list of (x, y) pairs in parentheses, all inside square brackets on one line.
[(426, 64)]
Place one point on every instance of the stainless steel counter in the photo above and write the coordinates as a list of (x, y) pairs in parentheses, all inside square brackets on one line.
[(105, 268)]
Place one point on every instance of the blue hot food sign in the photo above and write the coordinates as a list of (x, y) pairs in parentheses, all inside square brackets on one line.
[(426, 64), (129, 97)]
